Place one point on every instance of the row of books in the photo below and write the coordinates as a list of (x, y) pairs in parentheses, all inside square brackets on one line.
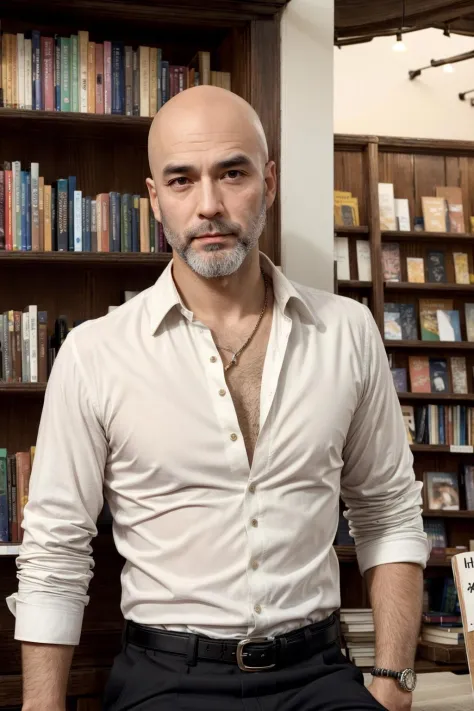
[(418, 273), (448, 425), (27, 351), (443, 212), (433, 375), (60, 217), (75, 74), (15, 471), (358, 631), (343, 262), (435, 528), (439, 321)]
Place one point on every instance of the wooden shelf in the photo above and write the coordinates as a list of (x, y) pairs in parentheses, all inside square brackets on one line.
[(448, 514), (431, 345), (437, 397), (121, 259), (69, 117), (22, 388), (436, 449), (412, 236), (351, 231), (428, 286), (353, 284)]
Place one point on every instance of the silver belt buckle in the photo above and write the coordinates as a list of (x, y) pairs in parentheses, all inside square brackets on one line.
[(240, 653)]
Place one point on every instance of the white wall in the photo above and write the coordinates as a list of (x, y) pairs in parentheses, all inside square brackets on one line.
[(373, 94), (306, 187)]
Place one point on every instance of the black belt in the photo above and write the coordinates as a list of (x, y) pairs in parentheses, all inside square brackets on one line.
[(252, 654)]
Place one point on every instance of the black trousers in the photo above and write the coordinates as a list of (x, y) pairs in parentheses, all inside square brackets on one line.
[(144, 680)]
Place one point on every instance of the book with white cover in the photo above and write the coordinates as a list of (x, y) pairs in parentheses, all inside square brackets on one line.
[(364, 265), (342, 258)]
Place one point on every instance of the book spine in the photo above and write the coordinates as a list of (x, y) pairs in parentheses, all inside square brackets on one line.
[(3, 497), (1, 72), (54, 218), (165, 81), (33, 344), (136, 84), (8, 209), (20, 48), (9, 500), (42, 346), (128, 81), (28, 75), (159, 58), (144, 56), (93, 247), (14, 514), (25, 346), (152, 220), (107, 77), (135, 223), (35, 228), (12, 73), (48, 235), (17, 376), (99, 76), (28, 212), (83, 77), (23, 245), (4, 68), (57, 73), (114, 222), (7, 371), (65, 44), (47, 44), (153, 81), (41, 212), (17, 198), (116, 98), (36, 55), (61, 216), (2, 209), (75, 73), (87, 224), (77, 220), (91, 78), (70, 206), (144, 226)]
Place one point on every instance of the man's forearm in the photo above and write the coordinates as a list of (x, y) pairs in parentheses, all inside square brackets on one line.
[(396, 595), (45, 676)]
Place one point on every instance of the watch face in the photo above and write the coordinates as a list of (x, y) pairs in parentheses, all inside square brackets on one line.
[(408, 680)]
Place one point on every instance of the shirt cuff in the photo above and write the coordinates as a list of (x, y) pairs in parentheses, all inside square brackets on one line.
[(408, 550), (47, 623)]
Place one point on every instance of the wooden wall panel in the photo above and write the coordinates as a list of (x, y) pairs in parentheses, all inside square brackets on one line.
[(430, 171), (349, 174), (399, 169)]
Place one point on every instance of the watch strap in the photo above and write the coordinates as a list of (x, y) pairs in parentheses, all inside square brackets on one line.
[(377, 671)]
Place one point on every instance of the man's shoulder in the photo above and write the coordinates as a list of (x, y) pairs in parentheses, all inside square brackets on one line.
[(324, 305)]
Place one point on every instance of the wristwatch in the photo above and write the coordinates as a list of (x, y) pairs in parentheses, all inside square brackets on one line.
[(406, 678)]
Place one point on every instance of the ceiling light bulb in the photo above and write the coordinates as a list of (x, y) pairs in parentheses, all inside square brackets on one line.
[(399, 45), (448, 68)]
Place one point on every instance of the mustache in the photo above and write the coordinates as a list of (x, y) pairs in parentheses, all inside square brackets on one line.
[(217, 226)]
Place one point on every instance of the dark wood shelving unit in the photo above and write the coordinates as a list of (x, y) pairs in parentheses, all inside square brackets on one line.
[(351, 231), (414, 167), (109, 153)]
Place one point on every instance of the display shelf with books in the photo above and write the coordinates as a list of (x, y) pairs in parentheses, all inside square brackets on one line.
[(417, 198), (99, 137)]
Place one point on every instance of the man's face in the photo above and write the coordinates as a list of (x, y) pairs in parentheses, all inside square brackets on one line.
[(211, 192)]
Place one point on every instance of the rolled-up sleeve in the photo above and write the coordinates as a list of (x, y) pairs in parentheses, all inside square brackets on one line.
[(65, 498), (378, 483)]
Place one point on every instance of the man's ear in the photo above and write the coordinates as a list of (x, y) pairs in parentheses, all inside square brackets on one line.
[(270, 183), (150, 183)]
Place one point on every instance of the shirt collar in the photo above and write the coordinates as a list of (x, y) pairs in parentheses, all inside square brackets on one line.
[(164, 295)]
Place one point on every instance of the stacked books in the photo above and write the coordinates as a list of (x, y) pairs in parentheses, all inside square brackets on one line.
[(15, 471), (60, 217), (446, 425), (441, 213), (357, 626), (96, 77)]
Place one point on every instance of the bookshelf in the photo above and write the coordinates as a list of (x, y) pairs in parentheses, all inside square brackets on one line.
[(109, 153), (415, 167)]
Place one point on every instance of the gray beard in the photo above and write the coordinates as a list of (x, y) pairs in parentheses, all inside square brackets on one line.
[(218, 261)]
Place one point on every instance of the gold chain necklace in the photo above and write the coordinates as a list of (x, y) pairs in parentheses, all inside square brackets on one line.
[(236, 354)]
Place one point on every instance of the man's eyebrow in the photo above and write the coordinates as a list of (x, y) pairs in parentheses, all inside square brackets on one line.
[(233, 162)]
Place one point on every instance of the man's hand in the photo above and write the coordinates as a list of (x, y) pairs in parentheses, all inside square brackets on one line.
[(390, 695)]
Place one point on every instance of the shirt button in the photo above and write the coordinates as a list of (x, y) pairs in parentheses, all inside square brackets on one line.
[(252, 488), (213, 359), (222, 392), (254, 523), (233, 436), (254, 564), (258, 609)]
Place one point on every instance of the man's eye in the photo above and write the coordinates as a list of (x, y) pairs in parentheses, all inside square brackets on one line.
[(179, 181), (233, 174)]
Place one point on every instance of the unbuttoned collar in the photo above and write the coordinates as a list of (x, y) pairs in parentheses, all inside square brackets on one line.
[(164, 295)]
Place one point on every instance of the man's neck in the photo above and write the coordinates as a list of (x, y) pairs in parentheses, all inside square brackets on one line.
[(228, 299)]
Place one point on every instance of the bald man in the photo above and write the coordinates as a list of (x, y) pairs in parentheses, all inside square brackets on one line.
[(222, 411)]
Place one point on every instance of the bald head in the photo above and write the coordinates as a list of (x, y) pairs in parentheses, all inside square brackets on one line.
[(204, 114)]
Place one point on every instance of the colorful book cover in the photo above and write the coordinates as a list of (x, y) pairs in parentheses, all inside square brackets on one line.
[(469, 309), (392, 322), (416, 270), (391, 262), (408, 322), (409, 420), (419, 368), (439, 376), (461, 267), (442, 491), (453, 196), (449, 326), (429, 318), (400, 379), (459, 375), (435, 214)]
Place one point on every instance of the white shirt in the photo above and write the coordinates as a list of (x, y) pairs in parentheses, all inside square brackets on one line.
[(212, 545)]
